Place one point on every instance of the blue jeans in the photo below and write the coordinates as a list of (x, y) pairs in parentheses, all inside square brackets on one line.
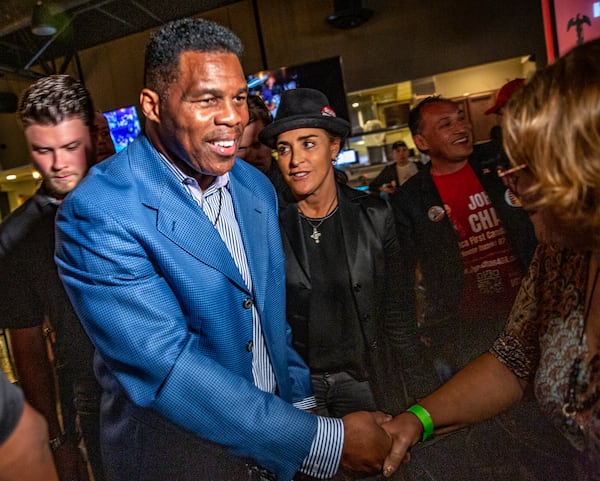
[(338, 394)]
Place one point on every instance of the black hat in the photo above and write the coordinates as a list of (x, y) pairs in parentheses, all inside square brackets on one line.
[(398, 144), (301, 108)]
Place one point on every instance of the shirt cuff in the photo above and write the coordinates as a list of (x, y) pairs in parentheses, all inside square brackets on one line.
[(306, 404), (325, 454)]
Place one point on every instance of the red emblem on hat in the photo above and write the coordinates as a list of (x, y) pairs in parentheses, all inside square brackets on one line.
[(328, 111)]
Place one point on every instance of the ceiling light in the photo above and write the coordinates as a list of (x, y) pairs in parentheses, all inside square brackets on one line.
[(42, 20), (11, 177)]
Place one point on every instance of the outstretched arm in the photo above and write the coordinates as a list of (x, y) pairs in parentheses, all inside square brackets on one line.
[(482, 389)]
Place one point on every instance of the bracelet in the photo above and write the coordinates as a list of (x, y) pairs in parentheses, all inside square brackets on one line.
[(58, 441), (422, 415)]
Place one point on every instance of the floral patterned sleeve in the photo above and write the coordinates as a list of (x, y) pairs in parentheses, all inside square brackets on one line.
[(546, 312), (518, 345)]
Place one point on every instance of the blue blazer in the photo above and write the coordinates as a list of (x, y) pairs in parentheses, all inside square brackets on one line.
[(163, 302)]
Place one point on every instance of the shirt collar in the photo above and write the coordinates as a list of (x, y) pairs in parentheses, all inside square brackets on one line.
[(220, 181)]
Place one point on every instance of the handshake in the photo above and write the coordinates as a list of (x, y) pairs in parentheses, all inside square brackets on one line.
[(375, 442)]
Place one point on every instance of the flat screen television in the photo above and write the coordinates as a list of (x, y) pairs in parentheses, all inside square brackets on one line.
[(124, 126), (345, 157), (324, 75)]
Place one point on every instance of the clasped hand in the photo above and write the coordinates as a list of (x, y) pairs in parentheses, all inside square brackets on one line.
[(376, 442)]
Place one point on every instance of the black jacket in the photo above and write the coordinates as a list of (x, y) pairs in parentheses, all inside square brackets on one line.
[(382, 289), (434, 245), (31, 292), (387, 174)]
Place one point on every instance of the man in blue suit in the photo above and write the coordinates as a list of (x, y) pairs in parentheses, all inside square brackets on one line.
[(171, 254)]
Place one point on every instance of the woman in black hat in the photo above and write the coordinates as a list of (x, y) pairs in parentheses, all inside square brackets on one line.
[(349, 301)]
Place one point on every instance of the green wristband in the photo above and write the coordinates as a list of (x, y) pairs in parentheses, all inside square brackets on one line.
[(425, 418)]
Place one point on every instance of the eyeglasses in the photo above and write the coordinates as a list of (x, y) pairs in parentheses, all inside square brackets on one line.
[(509, 176)]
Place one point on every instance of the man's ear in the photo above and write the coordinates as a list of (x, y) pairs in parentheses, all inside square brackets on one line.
[(420, 142), (150, 103)]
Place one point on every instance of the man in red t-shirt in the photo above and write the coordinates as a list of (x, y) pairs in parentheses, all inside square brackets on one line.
[(471, 240)]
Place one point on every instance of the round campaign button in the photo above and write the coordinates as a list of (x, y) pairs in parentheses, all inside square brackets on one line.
[(511, 199), (436, 213)]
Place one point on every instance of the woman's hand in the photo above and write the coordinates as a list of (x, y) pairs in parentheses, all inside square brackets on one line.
[(406, 431)]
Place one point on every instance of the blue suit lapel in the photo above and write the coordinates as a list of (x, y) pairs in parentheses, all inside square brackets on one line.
[(179, 217), (249, 210)]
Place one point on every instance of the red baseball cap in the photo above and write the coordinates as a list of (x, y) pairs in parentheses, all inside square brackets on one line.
[(504, 94)]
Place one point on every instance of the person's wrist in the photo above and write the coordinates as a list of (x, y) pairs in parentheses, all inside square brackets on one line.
[(424, 418)]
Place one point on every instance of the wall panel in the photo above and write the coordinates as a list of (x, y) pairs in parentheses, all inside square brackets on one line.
[(404, 40)]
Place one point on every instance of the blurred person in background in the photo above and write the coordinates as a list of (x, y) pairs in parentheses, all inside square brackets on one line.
[(394, 175), (105, 146), (253, 151), (57, 116), (493, 155)]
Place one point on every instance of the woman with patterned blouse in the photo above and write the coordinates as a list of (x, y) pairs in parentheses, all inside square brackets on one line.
[(552, 337)]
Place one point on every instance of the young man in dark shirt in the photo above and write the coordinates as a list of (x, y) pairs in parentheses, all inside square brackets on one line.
[(57, 117)]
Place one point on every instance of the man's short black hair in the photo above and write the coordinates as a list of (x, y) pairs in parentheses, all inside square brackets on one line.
[(54, 99), (165, 47), (414, 117)]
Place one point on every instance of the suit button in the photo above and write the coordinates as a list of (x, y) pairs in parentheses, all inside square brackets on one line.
[(247, 304), (249, 346), (357, 287)]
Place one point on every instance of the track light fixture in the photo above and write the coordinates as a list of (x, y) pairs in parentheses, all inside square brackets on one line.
[(42, 20)]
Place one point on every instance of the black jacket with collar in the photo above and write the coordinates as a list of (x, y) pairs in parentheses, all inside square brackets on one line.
[(434, 245), (382, 289), (18, 224), (31, 288)]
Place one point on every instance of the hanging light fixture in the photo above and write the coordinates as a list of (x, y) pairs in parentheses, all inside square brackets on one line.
[(42, 20), (349, 14)]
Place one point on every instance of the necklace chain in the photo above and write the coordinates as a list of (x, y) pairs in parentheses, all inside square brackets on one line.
[(220, 205), (573, 402), (316, 234)]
